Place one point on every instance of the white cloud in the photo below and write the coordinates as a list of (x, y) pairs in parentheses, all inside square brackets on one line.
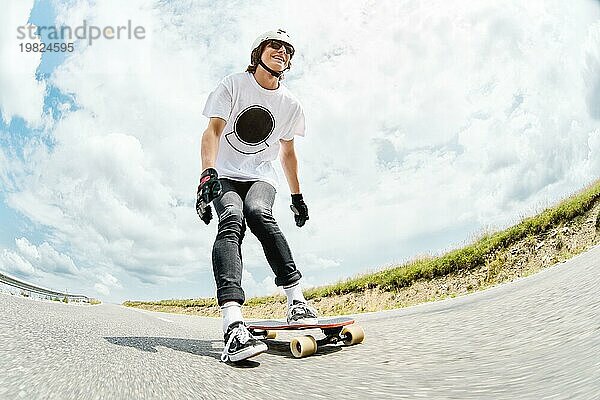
[(253, 287), (27, 249), (102, 289), (4, 168), (313, 262), (446, 108), (13, 263), (106, 283), (46, 258), (425, 123), (110, 280), (20, 93), (56, 262)]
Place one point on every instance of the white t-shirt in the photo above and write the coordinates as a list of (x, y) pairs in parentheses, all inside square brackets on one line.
[(256, 119)]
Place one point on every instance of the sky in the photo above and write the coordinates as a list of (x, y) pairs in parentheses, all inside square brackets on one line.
[(428, 124)]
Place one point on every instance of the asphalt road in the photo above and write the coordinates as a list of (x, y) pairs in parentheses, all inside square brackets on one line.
[(537, 337)]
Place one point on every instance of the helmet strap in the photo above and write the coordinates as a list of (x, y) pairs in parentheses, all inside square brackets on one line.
[(272, 72)]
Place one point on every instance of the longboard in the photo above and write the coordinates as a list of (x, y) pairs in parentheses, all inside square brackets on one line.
[(338, 329)]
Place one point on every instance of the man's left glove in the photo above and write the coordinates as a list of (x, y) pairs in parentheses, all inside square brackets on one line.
[(300, 210), (209, 189)]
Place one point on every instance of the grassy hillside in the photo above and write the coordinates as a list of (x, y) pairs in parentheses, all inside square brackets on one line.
[(470, 256), (485, 251)]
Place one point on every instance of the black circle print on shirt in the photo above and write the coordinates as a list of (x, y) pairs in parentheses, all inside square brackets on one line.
[(252, 128)]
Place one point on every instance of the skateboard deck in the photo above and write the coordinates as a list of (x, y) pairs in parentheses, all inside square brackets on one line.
[(273, 324), (336, 330)]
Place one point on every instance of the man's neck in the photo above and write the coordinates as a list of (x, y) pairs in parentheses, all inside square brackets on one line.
[(265, 79)]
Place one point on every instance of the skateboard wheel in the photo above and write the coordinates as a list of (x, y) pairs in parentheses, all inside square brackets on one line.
[(303, 346), (352, 334), (271, 335)]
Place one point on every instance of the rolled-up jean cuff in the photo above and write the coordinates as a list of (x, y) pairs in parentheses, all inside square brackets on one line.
[(230, 294), (288, 279)]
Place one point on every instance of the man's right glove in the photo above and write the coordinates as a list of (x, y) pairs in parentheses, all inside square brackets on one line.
[(300, 209), (209, 189)]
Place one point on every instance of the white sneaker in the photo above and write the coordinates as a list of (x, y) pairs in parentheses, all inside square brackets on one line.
[(240, 344), (300, 313)]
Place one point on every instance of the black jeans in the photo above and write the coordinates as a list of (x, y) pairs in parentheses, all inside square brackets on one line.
[(249, 203)]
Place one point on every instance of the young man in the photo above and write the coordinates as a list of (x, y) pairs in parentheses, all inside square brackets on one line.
[(253, 119)]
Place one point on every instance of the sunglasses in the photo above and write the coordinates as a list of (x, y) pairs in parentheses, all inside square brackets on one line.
[(276, 45)]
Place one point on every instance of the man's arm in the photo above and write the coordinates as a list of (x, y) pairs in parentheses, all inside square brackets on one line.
[(210, 187), (210, 142), (289, 162)]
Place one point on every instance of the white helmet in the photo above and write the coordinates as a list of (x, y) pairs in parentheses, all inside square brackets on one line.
[(279, 34)]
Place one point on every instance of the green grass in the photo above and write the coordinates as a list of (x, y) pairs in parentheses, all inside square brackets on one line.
[(466, 258), (203, 302), (174, 303)]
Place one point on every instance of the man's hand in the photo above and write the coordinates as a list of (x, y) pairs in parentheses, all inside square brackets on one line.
[(204, 211), (209, 189), (300, 210)]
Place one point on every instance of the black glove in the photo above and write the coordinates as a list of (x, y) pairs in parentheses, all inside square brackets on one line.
[(204, 212), (300, 210), (209, 189)]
